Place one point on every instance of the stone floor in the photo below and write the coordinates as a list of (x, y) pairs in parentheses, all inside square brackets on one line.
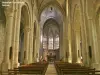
[(51, 70)]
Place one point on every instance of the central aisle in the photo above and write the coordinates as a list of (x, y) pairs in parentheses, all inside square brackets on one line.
[(51, 70)]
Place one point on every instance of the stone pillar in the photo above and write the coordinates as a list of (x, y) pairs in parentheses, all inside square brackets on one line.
[(78, 46), (94, 49), (14, 35), (22, 53), (84, 35), (68, 18), (31, 46), (74, 51), (37, 44), (69, 44), (35, 37), (84, 52), (41, 43), (39, 40), (65, 40), (90, 38), (26, 46), (60, 42), (84, 43), (8, 37), (16, 52)]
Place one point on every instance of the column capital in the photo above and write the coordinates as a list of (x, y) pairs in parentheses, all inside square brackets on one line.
[(90, 19), (1, 21), (8, 11), (27, 29)]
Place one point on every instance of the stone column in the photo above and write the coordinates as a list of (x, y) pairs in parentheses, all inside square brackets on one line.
[(61, 42), (84, 35), (84, 52), (31, 46), (38, 39), (26, 46), (37, 44), (35, 37), (9, 23), (84, 43), (22, 52), (78, 46), (65, 40), (16, 52), (90, 38), (74, 51), (69, 44), (14, 35), (68, 18), (94, 49), (41, 43), (53, 41)]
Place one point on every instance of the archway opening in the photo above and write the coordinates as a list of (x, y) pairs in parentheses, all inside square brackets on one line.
[(51, 40), (21, 45), (51, 21), (24, 36)]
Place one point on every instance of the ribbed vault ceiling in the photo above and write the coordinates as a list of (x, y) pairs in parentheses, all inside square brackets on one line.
[(52, 10), (51, 28), (44, 2)]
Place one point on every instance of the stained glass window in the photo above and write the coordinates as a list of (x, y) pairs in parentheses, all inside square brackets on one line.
[(45, 42), (56, 43), (50, 44)]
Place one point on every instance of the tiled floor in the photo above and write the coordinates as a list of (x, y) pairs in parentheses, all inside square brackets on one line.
[(51, 70)]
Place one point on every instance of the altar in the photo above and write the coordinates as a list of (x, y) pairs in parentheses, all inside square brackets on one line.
[(51, 58)]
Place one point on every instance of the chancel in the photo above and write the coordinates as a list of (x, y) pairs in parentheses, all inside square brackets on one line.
[(49, 37)]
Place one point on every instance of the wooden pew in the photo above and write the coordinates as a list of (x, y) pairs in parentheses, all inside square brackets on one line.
[(64, 68), (78, 71), (34, 68), (60, 65), (3, 72)]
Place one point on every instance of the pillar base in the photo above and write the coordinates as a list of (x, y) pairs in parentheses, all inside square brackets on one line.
[(30, 61), (70, 60), (5, 66), (96, 66), (15, 65), (66, 59), (26, 62)]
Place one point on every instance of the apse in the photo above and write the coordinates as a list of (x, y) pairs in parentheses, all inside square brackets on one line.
[(51, 23)]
